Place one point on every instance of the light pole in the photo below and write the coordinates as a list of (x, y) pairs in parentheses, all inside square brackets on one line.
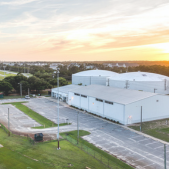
[(77, 127), (8, 120), (58, 105), (165, 166), (20, 88), (141, 118), (4, 70)]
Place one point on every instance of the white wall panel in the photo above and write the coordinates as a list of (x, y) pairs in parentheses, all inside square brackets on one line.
[(85, 80), (153, 108), (99, 80), (84, 103), (147, 86), (114, 112)]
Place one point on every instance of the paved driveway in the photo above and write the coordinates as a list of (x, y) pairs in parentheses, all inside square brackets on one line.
[(136, 149)]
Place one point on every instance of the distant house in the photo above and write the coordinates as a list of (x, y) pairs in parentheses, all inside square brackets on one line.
[(73, 64), (90, 67)]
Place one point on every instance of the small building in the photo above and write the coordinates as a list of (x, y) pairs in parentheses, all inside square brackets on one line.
[(121, 105)]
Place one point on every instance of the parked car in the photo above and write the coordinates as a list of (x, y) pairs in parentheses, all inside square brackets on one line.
[(27, 97)]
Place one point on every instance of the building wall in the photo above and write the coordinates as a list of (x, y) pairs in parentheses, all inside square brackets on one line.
[(153, 108), (114, 112), (148, 86), (85, 80), (90, 104), (99, 80), (88, 80)]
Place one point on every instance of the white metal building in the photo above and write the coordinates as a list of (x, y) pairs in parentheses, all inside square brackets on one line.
[(120, 104), (63, 91), (92, 77), (143, 81)]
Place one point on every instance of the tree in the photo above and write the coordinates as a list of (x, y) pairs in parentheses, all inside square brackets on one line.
[(62, 81), (5, 87)]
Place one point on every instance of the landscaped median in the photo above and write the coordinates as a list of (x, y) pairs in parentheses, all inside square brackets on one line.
[(46, 123), (157, 128)]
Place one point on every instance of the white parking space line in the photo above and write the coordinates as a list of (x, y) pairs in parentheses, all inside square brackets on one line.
[(132, 139), (159, 147), (150, 143), (143, 140)]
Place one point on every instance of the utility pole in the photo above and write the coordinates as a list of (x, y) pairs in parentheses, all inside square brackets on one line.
[(165, 166), (141, 121), (165, 84), (77, 127), (127, 84), (20, 88), (58, 105)]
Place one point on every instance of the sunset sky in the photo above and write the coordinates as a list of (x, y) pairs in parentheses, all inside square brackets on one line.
[(58, 30)]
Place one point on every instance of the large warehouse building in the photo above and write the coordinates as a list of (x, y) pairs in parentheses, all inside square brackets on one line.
[(143, 81), (120, 104), (92, 77)]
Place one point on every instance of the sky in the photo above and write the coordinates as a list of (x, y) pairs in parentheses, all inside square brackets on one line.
[(84, 30)]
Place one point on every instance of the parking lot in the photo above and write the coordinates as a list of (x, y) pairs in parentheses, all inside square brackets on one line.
[(125, 144)]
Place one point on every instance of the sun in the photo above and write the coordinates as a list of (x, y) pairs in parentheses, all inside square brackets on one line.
[(163, 46)]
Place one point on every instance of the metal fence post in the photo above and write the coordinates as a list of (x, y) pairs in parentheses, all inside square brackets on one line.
[(164, 156)]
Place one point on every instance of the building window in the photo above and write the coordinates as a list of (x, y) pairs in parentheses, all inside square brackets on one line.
[(109, 102), (76, 94), (99, 100), (84, 96)]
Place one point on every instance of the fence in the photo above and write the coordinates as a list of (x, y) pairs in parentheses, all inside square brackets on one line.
[(10, 133), (106, 161)]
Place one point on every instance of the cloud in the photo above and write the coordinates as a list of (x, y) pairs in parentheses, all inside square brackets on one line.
[(16, 2), (79, 26)]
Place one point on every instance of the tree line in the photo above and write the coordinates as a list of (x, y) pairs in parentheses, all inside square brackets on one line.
[(32, 83)]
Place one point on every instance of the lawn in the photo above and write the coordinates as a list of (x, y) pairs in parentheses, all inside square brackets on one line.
[(13, 97), (18, 153), (157, 128), (100, 154), (11, 73), (6, 74), (46, 123)]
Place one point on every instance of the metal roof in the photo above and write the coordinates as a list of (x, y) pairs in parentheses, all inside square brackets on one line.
[(121, 96), (67, 88), (95, 73), (140, 76)]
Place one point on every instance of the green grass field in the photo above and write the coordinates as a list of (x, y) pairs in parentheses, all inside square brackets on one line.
[(37, 117), (6, 74), (18, 153), (113, 162), (11, 73), (157, 129)]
